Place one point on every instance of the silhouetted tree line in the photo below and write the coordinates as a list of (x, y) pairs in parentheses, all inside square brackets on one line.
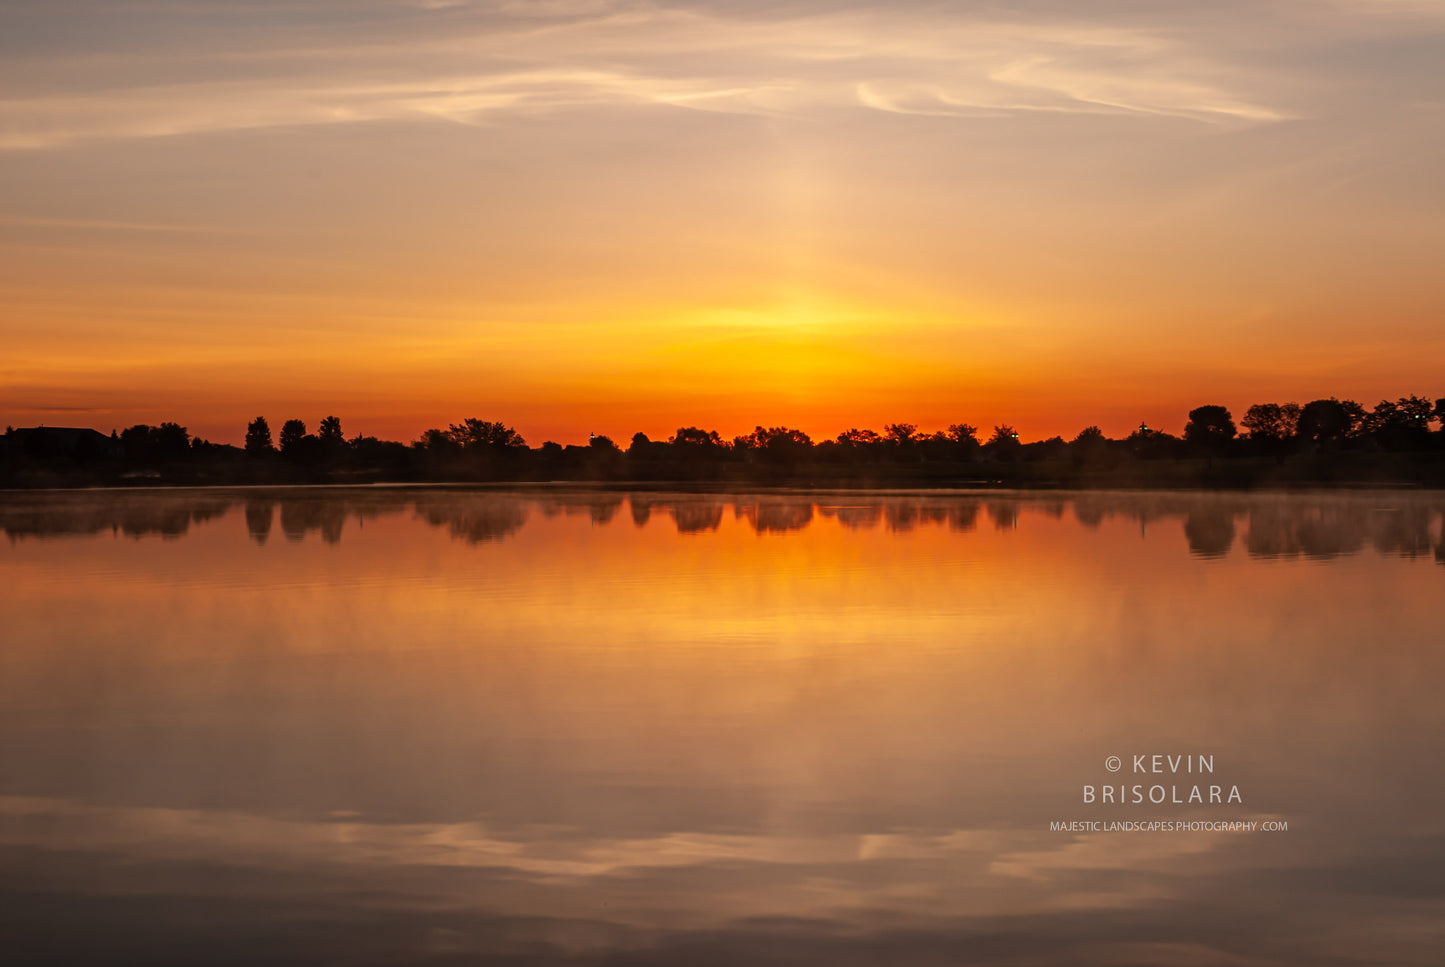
[(1326, 440)]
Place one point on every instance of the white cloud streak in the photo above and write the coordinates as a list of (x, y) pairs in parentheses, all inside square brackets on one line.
[(643, 56)]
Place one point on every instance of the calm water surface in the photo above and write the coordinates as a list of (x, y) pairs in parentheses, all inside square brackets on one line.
[(537, 727)]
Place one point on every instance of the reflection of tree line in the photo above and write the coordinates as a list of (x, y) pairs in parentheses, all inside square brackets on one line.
[(1285, 526), (1320, 531), (1263, 526), (689, 515), (129, 515), (298, 518), (474, 518)]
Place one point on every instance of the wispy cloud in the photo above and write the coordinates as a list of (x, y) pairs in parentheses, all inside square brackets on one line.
[(104, 225), (584, 56)]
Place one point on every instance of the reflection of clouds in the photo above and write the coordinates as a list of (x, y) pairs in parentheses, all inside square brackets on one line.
[(1004, 896), (916, 867), (189, 833), (1137, 852)]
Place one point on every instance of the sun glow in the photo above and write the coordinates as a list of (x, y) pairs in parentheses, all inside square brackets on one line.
[(564, 216)]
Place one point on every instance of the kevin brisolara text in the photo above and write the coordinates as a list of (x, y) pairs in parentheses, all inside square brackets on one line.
[(1167, 826)]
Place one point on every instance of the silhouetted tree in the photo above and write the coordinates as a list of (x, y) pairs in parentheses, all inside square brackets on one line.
[(476, 434), (1148, 443), (1401, 425), (148, 445), (329, 433), (1004, 444), (1417, 408), (776, 445), (858, 438), (1089, 446), (937, 446), (964, 437), (1271, 423), (172, 441), (436, 441), (258, 436), (1054, 448), (1357, 417), (691, 436), (138, 444), (387, 456), (1003, 433), (604, 443), (965, 433), (1212, 426), (777, 438), (1289, 419), (900, 434), (1323, 421), (291, 433)]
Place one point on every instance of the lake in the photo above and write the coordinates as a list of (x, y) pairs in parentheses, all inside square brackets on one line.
[(542, 726)]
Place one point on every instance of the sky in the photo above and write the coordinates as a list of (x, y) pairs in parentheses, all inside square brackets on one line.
[(587, 216)]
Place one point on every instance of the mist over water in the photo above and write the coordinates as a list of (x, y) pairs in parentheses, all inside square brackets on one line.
[(386, 726)]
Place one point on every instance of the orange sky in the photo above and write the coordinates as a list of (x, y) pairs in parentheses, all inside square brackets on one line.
[(609, 217)]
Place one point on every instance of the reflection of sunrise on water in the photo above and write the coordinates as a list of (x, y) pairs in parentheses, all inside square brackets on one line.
[(664, 716)]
